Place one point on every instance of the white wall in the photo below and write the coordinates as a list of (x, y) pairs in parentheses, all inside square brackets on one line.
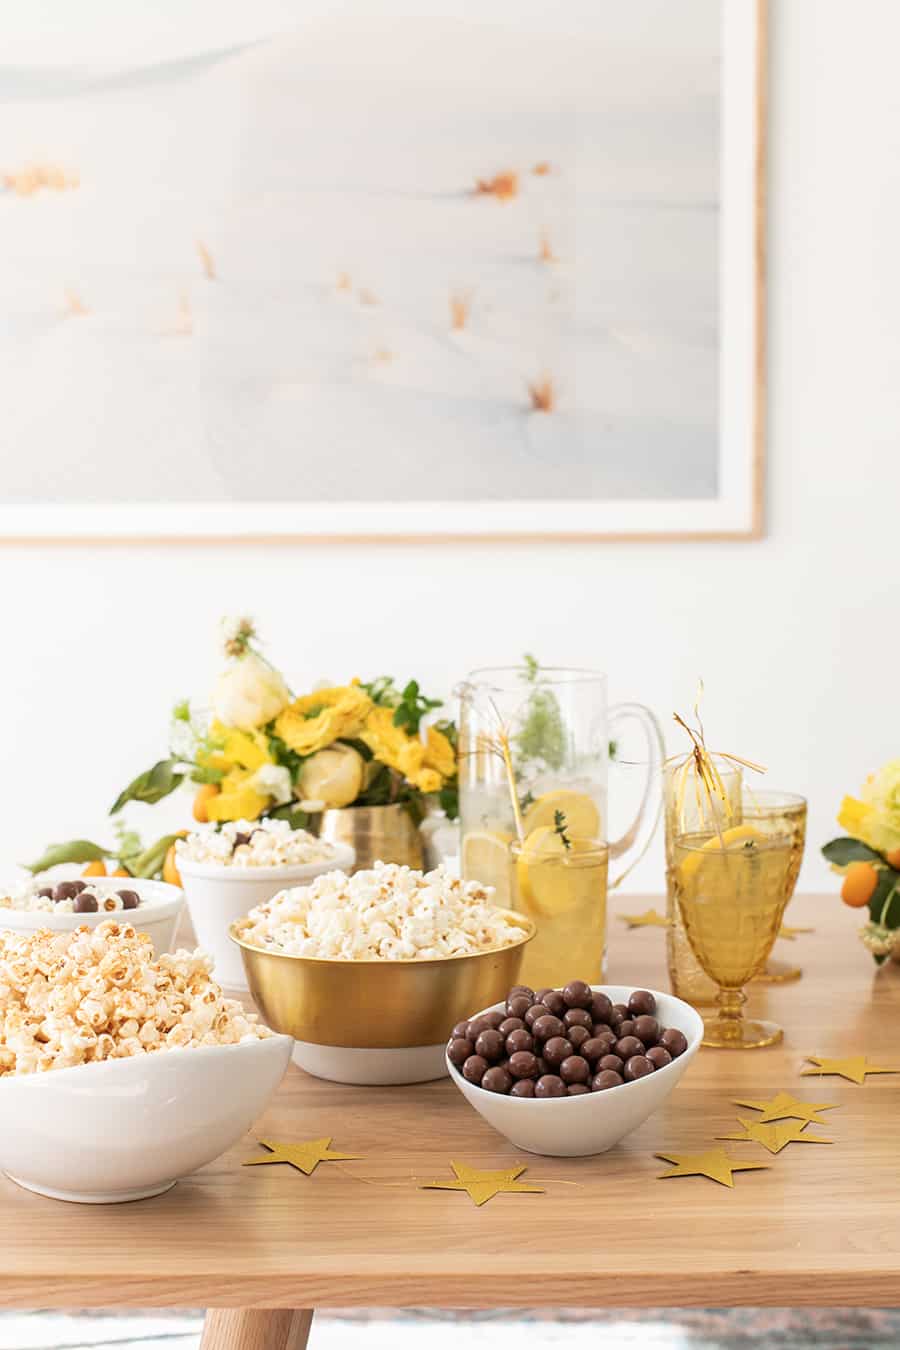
[(797, 637)]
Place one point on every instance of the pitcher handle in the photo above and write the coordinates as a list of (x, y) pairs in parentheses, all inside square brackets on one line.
[(640, 832)]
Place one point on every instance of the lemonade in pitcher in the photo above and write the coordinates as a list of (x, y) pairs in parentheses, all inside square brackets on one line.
[(534, 753)]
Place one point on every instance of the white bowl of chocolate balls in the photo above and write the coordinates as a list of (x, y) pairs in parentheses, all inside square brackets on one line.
[(151, 907), (569, 1072)]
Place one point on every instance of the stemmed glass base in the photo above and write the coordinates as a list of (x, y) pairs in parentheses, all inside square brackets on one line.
[(731, 1030), (778, 972)]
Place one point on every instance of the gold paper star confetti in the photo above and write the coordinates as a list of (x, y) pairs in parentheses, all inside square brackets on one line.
[(305, 1155), (854, 1068), (785, 1107), (775, 1137), (483, 1186), (649, 919), (714, 1163), (785, 931)]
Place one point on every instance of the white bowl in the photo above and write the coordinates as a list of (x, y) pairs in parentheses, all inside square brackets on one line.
[(157, 914), (217, 895), (129, 1128), (572, 1127), (372, 1068)]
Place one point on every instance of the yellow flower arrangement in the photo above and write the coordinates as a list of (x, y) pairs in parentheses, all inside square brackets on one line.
[(264, 752), (868, 858)]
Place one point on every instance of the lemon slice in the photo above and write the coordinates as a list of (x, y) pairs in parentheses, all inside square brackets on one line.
[(737, 834), (545, 883), (580, 811), (485, 858)]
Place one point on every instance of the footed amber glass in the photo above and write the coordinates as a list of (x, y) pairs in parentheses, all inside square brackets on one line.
[(732, 889)]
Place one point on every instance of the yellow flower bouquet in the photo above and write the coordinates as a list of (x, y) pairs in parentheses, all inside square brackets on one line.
[(259, 751), (868, 857)]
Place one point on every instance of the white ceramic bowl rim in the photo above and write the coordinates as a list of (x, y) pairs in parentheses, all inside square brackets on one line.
[(344, 857), (114, 1066), (162, 901), (614, 992), (350, 964)]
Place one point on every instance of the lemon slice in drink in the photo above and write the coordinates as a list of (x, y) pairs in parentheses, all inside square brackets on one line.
[(546, 885), (485, 858), (580, 811), (737, 834)]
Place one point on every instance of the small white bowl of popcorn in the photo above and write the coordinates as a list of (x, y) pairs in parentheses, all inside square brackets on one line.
[(227, 871), (121, 1073), (366, 972), (64, 904)]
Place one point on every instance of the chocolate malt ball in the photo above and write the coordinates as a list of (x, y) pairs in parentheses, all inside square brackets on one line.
[(511, 1024), (642, 1001), (130, 899), (554, 1002), (550, 1085), (459, 1050), (625, 1047), (85, 903), (637, 1067), (523, 989), (606, 1079), (577, 994), (578, 1036), (556, 1050), (475, 1068), (524, 1087), (548, 1026), (577, 1090), (611, 1062), (575, 1069), (517, 1005), (674, 1041), (595, 1048), (646, 1028), (490, 1044), (578, 1017), (519, 1040), (523, 1064), (601, 1007), (659, 1056), (497, 1079)]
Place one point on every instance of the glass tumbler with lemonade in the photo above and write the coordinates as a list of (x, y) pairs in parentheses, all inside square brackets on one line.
[(533, 767)]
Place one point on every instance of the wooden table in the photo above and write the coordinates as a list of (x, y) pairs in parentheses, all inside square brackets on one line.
[(822, 1226)]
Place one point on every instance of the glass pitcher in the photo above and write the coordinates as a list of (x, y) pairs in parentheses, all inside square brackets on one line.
[(534, 747)]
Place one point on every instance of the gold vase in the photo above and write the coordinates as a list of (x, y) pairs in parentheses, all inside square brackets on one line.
[(377, 833)]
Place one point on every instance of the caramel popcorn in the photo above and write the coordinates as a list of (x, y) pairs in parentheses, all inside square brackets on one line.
[(98, 993)]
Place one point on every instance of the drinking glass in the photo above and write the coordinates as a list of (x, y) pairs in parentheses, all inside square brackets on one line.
[(534, 821), (732, 895), (692, 808), (774, 812)]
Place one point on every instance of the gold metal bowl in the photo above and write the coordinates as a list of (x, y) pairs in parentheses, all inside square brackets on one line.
[(377, 1005)]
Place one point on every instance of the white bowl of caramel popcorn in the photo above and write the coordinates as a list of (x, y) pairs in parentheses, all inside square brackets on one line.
[(64, 904), (119, 1072)]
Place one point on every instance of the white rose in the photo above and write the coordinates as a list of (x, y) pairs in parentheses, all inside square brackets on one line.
[(249, 693), (333, 776), (273, 780)]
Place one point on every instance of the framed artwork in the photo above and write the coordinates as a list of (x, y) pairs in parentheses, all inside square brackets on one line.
[(393, 277)]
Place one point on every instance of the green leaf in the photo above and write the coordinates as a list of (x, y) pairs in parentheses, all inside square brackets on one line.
[(449, 800), (151, 786), (846, 850), (203, 773), (150, 862), (182, 711), (74, 851), (884, 906), (285, 756), (296, 818)]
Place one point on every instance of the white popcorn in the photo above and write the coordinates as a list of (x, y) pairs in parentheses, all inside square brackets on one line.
[(391, 913), (263, 843), (98, 993)]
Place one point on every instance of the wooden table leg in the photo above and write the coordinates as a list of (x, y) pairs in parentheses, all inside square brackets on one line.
[(255, 1329)]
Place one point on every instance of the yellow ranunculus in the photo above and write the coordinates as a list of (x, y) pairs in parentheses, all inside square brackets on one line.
[(439, 754), (875, 819), (393, 746), (248, 749), (237, 799), (314, 721)]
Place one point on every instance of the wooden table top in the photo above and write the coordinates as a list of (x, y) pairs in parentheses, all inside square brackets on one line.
[(822, 1226)]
